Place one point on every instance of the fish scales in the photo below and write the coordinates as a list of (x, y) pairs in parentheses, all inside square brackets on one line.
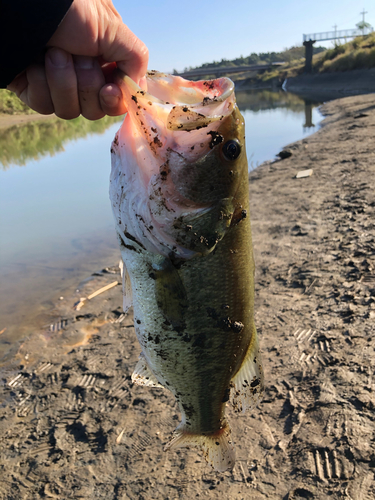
[(179, 191)]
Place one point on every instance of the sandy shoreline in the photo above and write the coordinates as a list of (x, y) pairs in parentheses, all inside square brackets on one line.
[(7, 121), (73, 426)]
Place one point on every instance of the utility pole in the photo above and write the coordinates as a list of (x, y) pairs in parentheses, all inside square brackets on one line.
[(363, 21), (363, 15), (335, 28)]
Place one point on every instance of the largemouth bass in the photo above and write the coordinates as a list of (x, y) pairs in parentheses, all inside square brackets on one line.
[(180, 197)]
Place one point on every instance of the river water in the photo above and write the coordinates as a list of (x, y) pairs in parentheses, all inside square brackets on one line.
[(55, 219)]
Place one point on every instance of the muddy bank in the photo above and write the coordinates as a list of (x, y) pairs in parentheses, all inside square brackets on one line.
[(320, 86), (73, 426), (332, 85)]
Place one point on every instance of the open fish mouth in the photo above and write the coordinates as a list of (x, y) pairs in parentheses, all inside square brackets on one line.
[(160, 117)]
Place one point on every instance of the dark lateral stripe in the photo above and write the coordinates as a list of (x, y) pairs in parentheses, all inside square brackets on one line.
[(131, 237), (123, 244)]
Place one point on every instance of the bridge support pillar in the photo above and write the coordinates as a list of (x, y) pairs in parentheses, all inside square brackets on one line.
[(308, 55)]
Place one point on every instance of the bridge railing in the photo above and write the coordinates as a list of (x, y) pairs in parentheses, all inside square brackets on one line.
[(334, 35)]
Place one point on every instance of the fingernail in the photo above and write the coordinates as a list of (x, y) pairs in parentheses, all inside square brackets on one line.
[(111, 100), (84, 62), (59, 58)]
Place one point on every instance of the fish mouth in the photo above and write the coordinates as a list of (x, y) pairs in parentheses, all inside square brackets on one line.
[(194, 104), (174, 113)]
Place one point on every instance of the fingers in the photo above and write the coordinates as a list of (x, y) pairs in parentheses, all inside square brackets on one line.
[(68, 87), (32, 88), (75, 83), (90, 80), (37, 94), (62, 82)]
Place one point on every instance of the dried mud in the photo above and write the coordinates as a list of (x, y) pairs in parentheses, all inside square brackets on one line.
[(72, 425)]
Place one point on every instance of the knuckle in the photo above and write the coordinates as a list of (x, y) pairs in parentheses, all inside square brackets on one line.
[(67, 115), (93, 116), (44, 110), (141, 51)]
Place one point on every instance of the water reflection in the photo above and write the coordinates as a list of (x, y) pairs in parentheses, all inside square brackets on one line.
[(273, 120), (32, 141), (308, 115), (263, 100), (55, 219)]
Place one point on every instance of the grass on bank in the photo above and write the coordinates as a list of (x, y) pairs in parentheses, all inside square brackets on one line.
[(11, 105), (356, 54)]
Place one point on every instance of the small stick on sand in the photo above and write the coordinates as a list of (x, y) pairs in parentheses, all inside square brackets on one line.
[(119, 437), (82, 300)]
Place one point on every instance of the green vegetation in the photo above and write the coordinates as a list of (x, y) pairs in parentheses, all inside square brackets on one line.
[(11, 105), (22, 143), (287, 55), (356, 54)]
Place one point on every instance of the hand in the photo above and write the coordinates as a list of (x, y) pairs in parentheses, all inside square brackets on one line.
[(72, 79)]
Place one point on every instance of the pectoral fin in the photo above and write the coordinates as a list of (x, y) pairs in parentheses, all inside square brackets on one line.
[(126, 288), (201, 231)]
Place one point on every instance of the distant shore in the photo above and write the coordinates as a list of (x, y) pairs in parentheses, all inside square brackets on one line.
[(7, 120), (329, 85)]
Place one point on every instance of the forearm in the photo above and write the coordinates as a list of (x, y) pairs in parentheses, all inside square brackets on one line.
[(25, 28)]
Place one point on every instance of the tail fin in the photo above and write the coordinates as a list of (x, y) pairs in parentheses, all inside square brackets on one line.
[(217, 448)]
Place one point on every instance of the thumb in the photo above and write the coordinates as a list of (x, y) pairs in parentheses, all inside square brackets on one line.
[(129, 52)]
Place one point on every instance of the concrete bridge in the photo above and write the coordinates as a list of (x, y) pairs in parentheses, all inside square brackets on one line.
[(309, 40), (227, 70)]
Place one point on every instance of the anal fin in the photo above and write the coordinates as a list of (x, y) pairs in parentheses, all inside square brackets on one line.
[(142, 374), (248, 383)]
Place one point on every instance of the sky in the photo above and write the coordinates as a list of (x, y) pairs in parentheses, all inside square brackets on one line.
[(187, 33)]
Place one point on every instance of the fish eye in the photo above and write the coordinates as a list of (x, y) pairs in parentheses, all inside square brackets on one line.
[(231, 150)]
